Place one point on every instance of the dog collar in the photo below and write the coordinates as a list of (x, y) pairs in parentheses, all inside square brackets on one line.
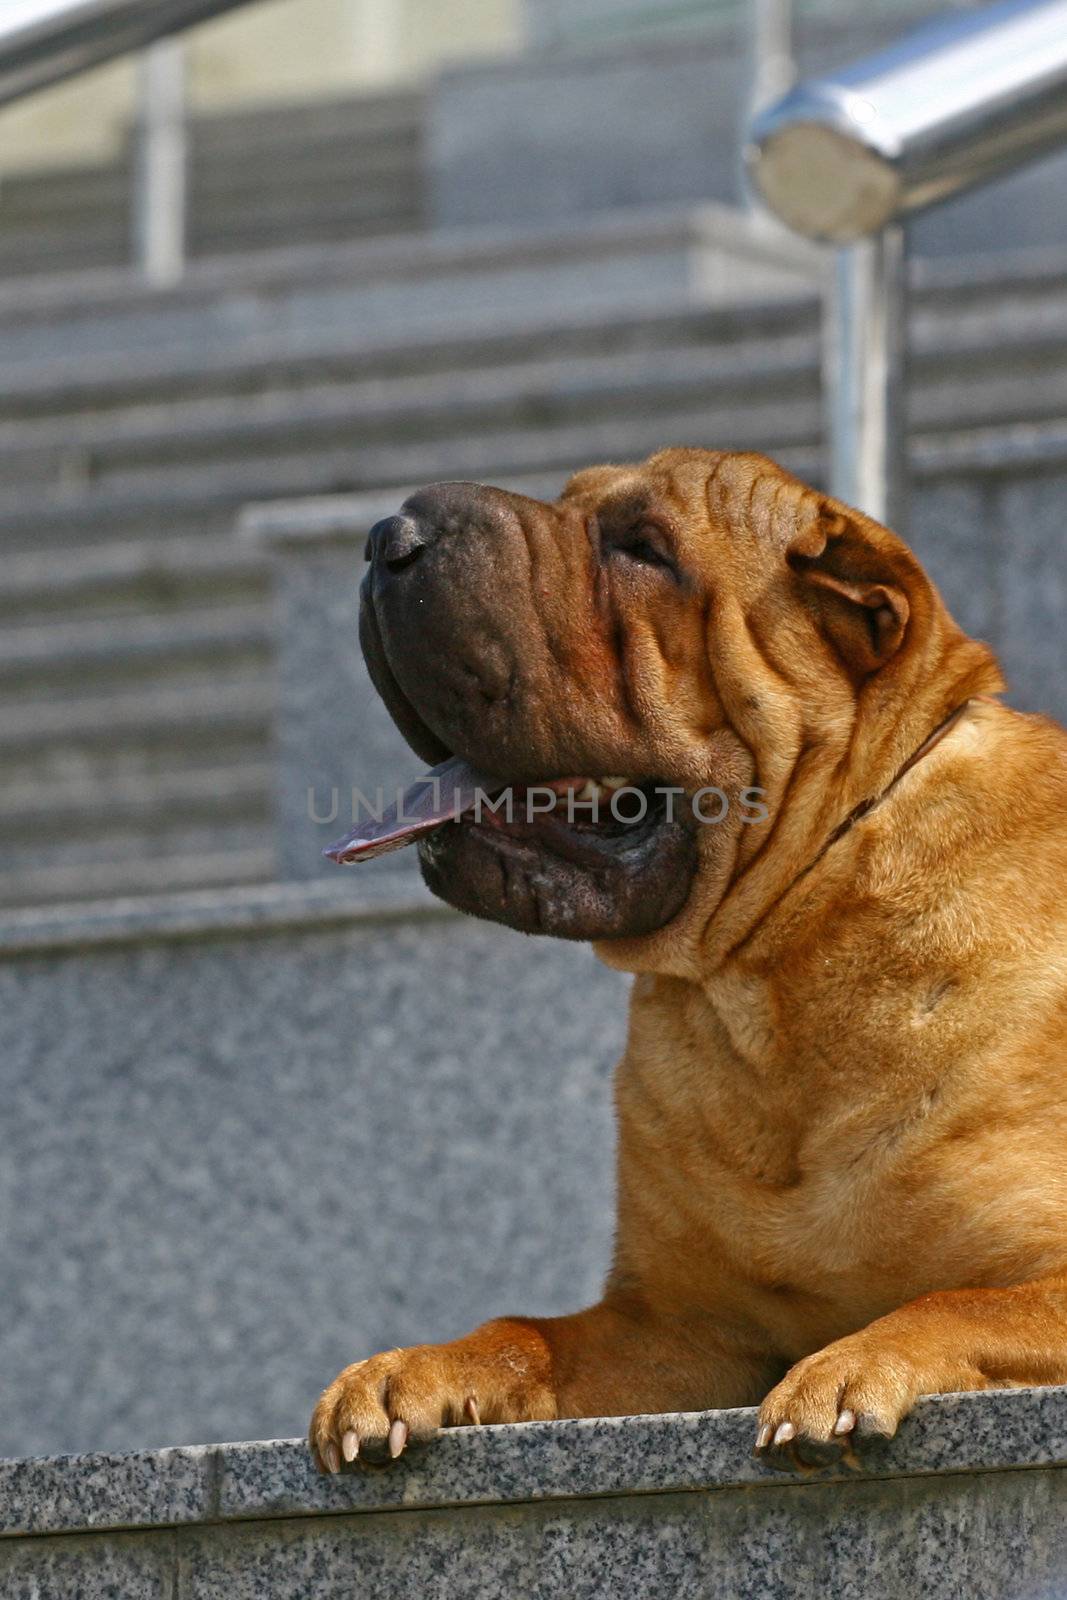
[(928, 744)]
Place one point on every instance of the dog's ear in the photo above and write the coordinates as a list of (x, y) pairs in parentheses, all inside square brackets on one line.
[(853, 574)]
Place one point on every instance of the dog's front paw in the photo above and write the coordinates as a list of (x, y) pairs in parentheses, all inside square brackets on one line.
[(502, 1372), (832, 1400), (373, 1408)]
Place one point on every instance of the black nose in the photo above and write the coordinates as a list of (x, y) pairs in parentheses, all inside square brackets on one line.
[(396, 541)]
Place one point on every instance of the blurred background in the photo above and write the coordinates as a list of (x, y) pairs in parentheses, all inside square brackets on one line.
[(260, 1116)]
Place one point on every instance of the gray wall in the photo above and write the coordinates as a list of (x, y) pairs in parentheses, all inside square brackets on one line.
[(232, 1166), (995, 546)]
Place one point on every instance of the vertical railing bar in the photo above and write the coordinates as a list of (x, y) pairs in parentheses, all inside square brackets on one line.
[(864, 360), (160, 168), (769, 69), (774, 68)]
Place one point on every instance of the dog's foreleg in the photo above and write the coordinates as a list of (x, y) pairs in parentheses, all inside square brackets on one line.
[(611, 1360), (862, 1385)]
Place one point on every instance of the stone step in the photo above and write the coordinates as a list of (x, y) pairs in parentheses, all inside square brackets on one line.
[(61, 253), (114, 383), (271, 128), (351, 191), (149, 802), (153, 729), (81, 192), (669, 241), (138, 646), (108, 578), (146, 848), (224, 229), (238, 141), (61, 527), (677, 1502), (45, 233), (144, 504), (1030, 327), (56, 191), (136, 497), (109, 771), (139, 501), (255, 178), (221, 225), (415, 287), (421, 405), (135, 700), (348, 203), (149, 866), (307, 172), (957, 383), (135, 790), (949, 324)]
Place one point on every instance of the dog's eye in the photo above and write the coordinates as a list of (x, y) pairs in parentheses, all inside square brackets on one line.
[(643, 543)]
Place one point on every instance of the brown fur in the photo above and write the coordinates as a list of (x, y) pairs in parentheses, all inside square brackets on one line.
[(842, 1107)]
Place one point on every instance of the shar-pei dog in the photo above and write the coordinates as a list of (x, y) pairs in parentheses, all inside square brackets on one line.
[(773, 781)]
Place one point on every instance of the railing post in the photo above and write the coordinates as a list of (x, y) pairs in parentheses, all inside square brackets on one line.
[(769, 69), (864, 347), (160, 164)]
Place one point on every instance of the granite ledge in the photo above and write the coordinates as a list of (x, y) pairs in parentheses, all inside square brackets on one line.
[(371, 894), (998, 1430)]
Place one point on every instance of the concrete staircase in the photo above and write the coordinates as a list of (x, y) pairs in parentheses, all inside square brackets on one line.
[(261, 178), (136, 655)]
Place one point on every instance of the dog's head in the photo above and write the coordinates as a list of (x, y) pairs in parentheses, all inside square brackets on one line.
[(703, 621)]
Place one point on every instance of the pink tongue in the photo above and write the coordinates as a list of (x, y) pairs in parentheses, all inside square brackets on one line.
[(446, 792)]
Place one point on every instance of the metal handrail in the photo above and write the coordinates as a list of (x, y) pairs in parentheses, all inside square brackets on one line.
[(42, 42), (849, 157)]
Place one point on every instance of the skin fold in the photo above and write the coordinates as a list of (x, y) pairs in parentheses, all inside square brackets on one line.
[(842, 1107)]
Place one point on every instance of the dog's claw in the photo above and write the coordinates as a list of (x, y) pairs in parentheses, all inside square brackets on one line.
[(398, 1437), (784, 1433), (845, 1423), (472, 1411), (764, 1436), (350, 1445), (332, 1457)]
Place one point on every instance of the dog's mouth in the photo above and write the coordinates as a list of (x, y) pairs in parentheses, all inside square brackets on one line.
[(576, 857)]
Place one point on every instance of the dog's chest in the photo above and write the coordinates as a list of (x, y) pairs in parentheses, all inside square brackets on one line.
[(812, 1203), (757, 1157)]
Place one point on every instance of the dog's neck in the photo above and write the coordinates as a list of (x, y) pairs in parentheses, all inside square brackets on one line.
[(820, 769), (828, 783), (865, 806)]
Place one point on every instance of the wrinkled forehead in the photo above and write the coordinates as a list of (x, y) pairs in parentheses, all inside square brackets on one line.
[(655, 484), (736, 494), (594, 484)]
